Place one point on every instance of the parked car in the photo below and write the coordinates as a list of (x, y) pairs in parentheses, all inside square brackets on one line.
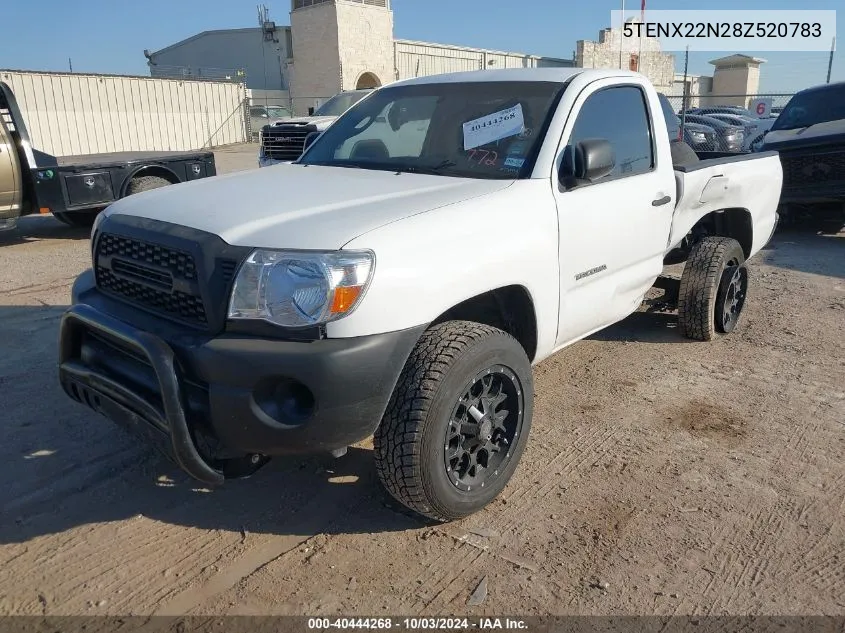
[(809, 135), (74, 189), (261, 115), (729, 138), (350, 296), (754, 128), (729, 109), (698, 137), (285, 141)]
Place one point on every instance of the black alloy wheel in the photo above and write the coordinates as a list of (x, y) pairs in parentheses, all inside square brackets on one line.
[(484, 425), (731, 298)]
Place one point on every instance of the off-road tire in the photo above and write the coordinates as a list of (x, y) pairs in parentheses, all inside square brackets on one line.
[(409, 442), (700, 281), (77, 219), (146, 183)]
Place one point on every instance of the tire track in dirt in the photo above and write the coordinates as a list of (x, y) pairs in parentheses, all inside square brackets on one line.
[(326, 506), (439, 578), (565, 466)]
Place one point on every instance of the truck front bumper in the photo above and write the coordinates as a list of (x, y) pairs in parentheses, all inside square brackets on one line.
[(246, 397)]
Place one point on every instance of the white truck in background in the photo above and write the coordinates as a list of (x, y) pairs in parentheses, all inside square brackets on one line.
[(402, 284), (284, 141)]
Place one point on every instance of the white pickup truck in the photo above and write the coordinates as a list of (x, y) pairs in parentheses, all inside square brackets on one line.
[(402, 284)]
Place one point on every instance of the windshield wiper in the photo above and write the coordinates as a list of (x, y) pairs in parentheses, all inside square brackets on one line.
[(426, 169)]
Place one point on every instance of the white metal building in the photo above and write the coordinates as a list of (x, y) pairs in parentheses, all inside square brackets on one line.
[(330, 45)]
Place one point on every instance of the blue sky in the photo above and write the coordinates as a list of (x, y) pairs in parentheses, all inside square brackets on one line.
[(108, 36)]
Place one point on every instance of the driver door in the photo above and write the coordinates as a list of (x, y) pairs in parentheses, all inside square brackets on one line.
[(614, 230)]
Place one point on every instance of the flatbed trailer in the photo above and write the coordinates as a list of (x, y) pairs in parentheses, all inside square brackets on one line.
[(76, 188)]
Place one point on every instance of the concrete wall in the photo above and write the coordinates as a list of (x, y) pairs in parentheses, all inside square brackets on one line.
[(736, 80), (365, 43), (216, 54), (315, 71), (418, 59), (699, 87), (73, 114)]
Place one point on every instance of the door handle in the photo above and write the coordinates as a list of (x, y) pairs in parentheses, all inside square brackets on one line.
[(661, 201)]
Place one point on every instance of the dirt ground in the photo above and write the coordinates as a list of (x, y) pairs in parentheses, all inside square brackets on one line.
[(663, 477)]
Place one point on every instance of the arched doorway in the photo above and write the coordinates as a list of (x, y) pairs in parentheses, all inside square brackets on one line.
[(367, 81)]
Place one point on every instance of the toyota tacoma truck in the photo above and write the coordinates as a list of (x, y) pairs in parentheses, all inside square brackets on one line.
[(74, 189), (402, 285)]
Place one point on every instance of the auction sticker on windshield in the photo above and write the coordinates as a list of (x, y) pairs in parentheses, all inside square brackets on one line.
[(493, 127)]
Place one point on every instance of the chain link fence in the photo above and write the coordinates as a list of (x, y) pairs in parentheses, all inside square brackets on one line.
[(728, 123)]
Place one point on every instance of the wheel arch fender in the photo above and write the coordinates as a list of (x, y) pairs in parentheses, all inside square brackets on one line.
[(450, 258), (149, 170)]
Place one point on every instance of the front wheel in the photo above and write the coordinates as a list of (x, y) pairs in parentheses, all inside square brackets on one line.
[(457, 422)]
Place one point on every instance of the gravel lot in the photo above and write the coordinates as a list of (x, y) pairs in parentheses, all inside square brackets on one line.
[(663, 477)]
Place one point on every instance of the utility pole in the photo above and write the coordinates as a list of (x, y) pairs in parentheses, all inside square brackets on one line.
[(622, 35), (830, 61), (70, 63), (684, 98)]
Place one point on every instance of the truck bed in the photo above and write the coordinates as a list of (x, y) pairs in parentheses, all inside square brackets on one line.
[(100, 160), (744, 181)]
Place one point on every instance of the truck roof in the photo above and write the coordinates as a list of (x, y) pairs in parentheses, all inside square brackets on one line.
[(560, 75)]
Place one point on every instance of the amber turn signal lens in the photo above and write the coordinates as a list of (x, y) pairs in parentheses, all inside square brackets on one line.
[(345, 298), (44, 210)]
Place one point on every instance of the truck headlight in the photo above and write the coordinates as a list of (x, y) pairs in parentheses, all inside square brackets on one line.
[(296, 289)]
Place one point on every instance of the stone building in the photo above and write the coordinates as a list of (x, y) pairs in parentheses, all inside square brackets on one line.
[(644, 55), (330, 45), (735, 77)]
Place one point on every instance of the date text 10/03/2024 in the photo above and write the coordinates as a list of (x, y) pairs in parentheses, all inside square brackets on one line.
[(417, 624)]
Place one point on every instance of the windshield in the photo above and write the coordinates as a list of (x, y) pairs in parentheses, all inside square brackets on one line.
[(474, 129), (811, 108), (278, 112), (339, 103)]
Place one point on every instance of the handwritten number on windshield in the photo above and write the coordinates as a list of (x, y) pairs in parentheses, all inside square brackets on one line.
[(487, 157)]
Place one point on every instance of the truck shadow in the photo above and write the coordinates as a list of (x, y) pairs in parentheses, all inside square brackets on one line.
[(42, 227), (64, 466), (805, 249), (645, 326)]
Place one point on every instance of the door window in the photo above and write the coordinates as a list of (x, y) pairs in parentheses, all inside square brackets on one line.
[(620, 116)]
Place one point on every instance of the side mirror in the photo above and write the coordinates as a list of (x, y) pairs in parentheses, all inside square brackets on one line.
[(309, 140), (590, 160)]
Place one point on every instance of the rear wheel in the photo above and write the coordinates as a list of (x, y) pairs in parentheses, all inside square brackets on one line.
[(146, 183), (713, 288), (458, 420)]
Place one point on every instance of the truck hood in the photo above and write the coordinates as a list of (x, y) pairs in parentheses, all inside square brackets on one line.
[(830, 133), (300, 206), (322, 122)]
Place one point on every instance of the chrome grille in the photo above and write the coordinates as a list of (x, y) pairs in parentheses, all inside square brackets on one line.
[(283, 142)]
